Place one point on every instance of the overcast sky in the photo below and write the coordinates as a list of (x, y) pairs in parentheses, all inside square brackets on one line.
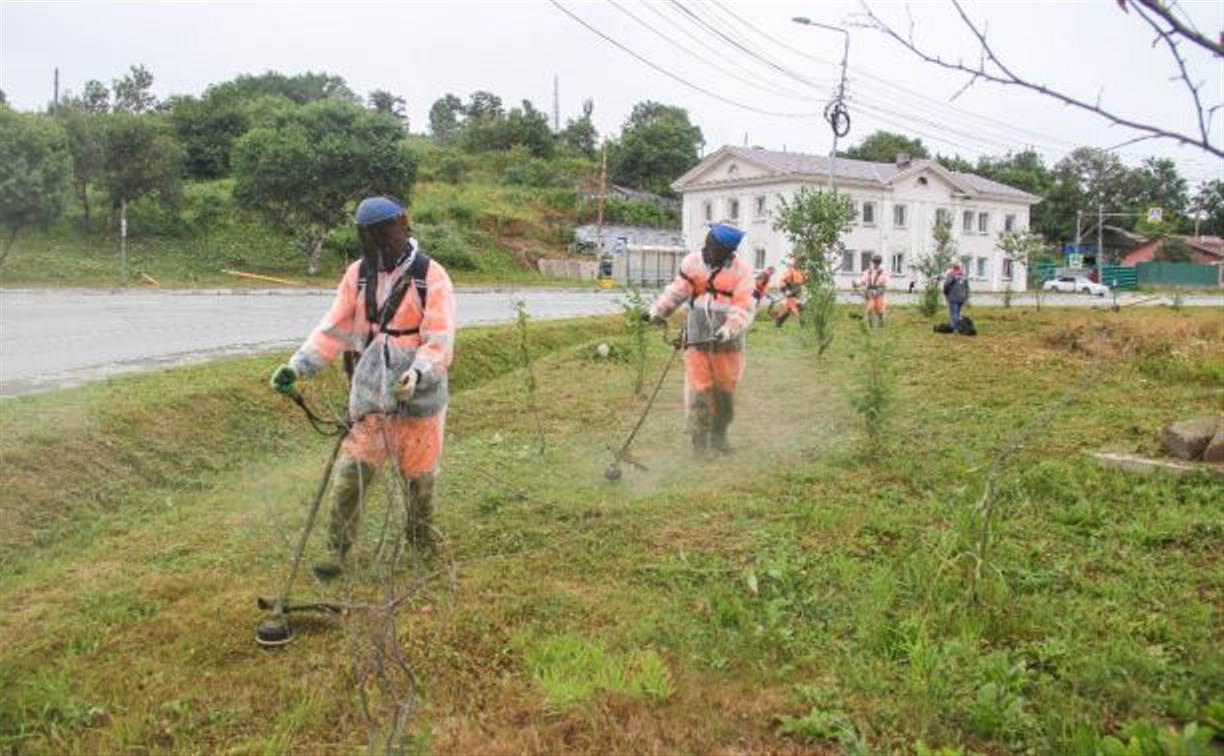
[(421, 50)]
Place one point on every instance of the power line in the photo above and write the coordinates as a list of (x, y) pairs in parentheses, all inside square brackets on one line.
[(706, 61), (675, 77)]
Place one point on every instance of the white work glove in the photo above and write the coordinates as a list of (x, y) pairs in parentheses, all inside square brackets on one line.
[(723, 334), (406, 387)]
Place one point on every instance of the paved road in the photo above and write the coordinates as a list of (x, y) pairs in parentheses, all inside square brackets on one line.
[(54, 339)]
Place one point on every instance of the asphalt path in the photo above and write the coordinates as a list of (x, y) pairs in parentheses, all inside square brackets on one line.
[(52, 339)]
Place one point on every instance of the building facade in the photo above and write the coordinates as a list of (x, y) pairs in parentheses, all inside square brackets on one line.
[(896, 208)]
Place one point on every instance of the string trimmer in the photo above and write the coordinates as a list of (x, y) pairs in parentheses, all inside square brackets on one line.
[(613, 473), (274, 630)]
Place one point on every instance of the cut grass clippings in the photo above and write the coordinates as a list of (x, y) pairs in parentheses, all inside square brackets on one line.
[(811, 591)]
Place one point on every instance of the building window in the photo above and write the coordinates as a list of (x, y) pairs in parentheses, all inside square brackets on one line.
[(899, 216), (898, 264), (1008, 269), (733, 209), (865, 259), (868, 213), (982, 264), (966, 265), (1009, 222), (708, 209), (942, 216), (967, 222), (983, 223), (847, 262), (759, 262), (759, 206)]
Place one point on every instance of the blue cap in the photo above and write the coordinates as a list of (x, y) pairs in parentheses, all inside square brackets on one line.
[(377, 209), (728, 236)]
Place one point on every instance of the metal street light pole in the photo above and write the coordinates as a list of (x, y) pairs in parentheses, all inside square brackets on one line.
[(835, 112)]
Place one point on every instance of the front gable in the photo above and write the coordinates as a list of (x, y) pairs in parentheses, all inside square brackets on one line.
[(931, 181), (723, 167)]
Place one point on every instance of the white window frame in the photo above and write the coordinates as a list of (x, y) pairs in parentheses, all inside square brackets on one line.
[(941, 214), (1009, 268), (759, 258), (983, 222), (733, 208), (760, 207), (967, 222), (847, 256), (872, 205), (865, 261), (897, 264), (904, 211), (982, 268), (708, 209), (1009, 222)]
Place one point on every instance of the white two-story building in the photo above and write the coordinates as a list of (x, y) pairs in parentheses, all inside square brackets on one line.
[(897, 205)]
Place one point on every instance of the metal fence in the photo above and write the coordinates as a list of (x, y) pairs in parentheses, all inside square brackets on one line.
[(647, 266), (1120, 277), (1178, 274)]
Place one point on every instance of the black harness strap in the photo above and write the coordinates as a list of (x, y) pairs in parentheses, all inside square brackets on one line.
[(379, 318)]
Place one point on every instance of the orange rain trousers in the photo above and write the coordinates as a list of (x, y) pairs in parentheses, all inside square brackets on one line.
[(414, 442)]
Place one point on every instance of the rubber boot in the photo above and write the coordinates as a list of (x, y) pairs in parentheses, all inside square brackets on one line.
[(351, 480), (420, 513), (699, 415), (778, 321), (724, 412)]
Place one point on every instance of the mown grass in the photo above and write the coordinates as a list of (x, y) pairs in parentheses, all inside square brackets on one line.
[(811, 592)]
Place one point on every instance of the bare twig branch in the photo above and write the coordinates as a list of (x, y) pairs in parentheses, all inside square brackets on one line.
[(1005, 76), (1180, 28), (1169, 38)]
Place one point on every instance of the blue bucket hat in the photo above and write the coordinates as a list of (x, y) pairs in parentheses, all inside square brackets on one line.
[(376, 210), (726, 235)]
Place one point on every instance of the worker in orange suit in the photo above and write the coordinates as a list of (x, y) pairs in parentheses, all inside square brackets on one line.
[(718, 286), (760, 287), (394, 311), (874, 283), (791, 285)]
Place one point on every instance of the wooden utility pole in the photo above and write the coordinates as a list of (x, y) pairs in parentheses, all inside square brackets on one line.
[(603, 188)]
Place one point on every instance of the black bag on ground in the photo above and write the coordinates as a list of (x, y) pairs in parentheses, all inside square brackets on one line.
[(943, 328), (967, 328)]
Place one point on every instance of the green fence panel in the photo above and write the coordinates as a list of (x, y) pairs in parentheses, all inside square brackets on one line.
[(1177, 274), (1120, 277)]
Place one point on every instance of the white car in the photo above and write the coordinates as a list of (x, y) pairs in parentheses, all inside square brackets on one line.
[(1075, 284)]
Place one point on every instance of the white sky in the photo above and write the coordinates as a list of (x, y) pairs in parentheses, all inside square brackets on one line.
[(514, 48)]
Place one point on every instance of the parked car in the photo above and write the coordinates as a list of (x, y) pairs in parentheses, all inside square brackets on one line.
[(1075, 284)]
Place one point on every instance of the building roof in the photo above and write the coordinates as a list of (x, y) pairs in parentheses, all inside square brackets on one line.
[(799, 165)]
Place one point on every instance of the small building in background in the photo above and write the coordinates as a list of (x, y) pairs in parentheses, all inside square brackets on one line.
[(615, 239)]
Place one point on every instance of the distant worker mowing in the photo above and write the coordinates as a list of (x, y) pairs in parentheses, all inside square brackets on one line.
[(393, 317), (718, 287), (874, 283), (791, 286)]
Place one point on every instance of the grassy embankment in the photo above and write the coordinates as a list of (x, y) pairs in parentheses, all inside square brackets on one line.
[(488, 218), (799, 594)]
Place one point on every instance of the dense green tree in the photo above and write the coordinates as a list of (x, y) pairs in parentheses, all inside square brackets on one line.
[(579, 136), (525, 127), (95, 98), (484, 105), (884, 146), (657, 145), (1208, 207), (382, 101), (3, 98), (300, 89), (303, 171), (35, 173), (955, 163), (1160, 185), (446, 118), (140, 158), (86, 145), (1026, 171), (133, 93)]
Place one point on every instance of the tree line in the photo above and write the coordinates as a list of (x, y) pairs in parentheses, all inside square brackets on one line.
[(299, 148)]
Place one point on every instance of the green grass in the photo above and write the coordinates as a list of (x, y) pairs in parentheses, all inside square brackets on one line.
[(813, 591)]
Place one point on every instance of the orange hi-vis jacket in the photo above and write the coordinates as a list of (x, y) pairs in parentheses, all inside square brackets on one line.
[(792, 281), (415, 338), (875, 282), (717, 297)]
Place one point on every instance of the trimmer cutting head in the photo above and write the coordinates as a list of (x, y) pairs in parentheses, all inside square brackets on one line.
[(613, 473), (273, 631)]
